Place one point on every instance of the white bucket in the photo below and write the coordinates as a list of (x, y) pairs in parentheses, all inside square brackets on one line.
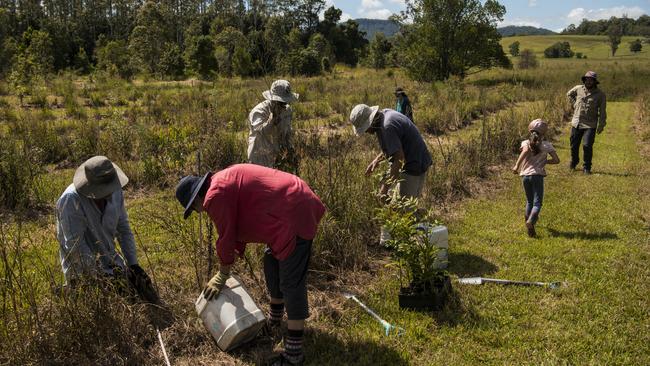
[(232, 318), (438, 236)]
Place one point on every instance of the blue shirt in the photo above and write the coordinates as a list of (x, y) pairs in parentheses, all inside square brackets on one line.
[(398, 132), (87, 236)]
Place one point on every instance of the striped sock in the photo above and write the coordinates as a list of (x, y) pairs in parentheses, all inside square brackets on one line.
[(276, 314), (293, 346)]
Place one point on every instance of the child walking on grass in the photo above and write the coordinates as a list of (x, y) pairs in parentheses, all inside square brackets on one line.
[(530, 166)]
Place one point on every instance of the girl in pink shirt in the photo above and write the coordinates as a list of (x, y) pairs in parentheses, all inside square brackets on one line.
[(530, 166)]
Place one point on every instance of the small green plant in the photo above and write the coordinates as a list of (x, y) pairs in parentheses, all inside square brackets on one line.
[(413, 253)]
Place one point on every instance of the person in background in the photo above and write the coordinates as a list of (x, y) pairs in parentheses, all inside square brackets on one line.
[(269, 139), (589, 118), (401, 144), (253, 204), (90, 215), (403, 104), (531, 167)]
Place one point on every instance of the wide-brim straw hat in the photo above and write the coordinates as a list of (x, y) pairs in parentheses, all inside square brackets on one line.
[(361, 117), (280, 92), (98, 177)]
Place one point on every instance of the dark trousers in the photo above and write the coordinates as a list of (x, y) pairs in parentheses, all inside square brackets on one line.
[(534, 188), (588, 137), (287, 279)]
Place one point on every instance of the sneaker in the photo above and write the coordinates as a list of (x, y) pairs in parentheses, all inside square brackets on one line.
[(531, 229), (282, 360), (586, 171)]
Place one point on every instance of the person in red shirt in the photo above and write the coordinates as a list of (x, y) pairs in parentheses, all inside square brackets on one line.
[(253, 204)]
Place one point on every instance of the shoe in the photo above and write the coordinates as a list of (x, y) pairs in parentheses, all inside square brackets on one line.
[(531, 229), (572, 167), (586, 171), (282, 360)]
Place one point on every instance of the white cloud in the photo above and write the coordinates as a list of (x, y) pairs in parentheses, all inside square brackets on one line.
[(576, 15), (399, 2), (371, 4), (345, 17), (532, 3), (377, 14)]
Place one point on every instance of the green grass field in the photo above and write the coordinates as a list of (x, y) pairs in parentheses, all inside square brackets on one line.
[(594, 47), (591, 237)]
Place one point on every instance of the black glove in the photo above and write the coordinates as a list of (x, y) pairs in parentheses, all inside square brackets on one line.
[(142, 283)]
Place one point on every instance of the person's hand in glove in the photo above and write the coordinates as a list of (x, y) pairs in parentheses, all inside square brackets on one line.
[(213, 288), (600, 129), (142, 283)]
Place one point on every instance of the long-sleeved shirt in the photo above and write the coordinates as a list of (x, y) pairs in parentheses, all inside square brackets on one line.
[(589, 107), (265, 139), (87, 236), (253, 204)]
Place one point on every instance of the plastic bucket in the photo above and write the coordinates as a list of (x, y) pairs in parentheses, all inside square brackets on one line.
[(232, 318)]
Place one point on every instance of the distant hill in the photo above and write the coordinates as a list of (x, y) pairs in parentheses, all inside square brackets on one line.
[(373, 26), (514, 30)]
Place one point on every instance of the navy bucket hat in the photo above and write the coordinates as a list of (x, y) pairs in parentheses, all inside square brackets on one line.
[(187, 190)]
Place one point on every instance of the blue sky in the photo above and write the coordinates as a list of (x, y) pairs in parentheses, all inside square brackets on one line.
[(550, 14)]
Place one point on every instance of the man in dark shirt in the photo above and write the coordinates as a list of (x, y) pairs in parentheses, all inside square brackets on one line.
[(400, 143)]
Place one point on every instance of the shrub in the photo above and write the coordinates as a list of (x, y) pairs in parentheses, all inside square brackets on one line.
[(514, 48), (17, 172), (559, 50), (528, 60)]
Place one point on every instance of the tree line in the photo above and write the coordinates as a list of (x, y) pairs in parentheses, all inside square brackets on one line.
[(624, 25), (170, 38), (173, 39)]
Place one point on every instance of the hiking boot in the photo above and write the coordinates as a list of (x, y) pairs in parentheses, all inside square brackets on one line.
[(282, 360), (531, 229)]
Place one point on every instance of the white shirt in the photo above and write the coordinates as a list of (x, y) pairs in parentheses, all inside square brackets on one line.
[(265, 138), (87, 237)]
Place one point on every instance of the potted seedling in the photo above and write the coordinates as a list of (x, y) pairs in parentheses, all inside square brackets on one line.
[(415, 255)]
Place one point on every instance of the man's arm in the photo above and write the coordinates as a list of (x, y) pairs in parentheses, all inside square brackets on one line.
[(261, 119), (222, 209), (602, 114), (397, 162), (572, 94), (77, 257), (373, 165), (125, 235)]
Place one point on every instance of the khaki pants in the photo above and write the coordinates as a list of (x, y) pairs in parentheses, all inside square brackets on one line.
[(409, 186)]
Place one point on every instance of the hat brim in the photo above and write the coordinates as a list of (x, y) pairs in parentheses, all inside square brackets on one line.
[(280, 98), (97, 191), (195, 192), (366, 124), (585, 78)]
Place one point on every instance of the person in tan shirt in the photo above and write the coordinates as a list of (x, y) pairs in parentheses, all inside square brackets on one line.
[(589, 118)]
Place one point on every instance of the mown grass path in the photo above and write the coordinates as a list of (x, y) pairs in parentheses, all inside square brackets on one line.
[(591, 236)]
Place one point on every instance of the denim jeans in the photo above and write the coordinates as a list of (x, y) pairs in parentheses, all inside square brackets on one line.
[(587, 136), (534, 188)]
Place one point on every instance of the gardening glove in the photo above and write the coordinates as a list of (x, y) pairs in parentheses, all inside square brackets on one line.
[(213, 288), (600, 129), (142, 284)]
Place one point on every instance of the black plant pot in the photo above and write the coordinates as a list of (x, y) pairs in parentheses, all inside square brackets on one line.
[(432, 297)]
